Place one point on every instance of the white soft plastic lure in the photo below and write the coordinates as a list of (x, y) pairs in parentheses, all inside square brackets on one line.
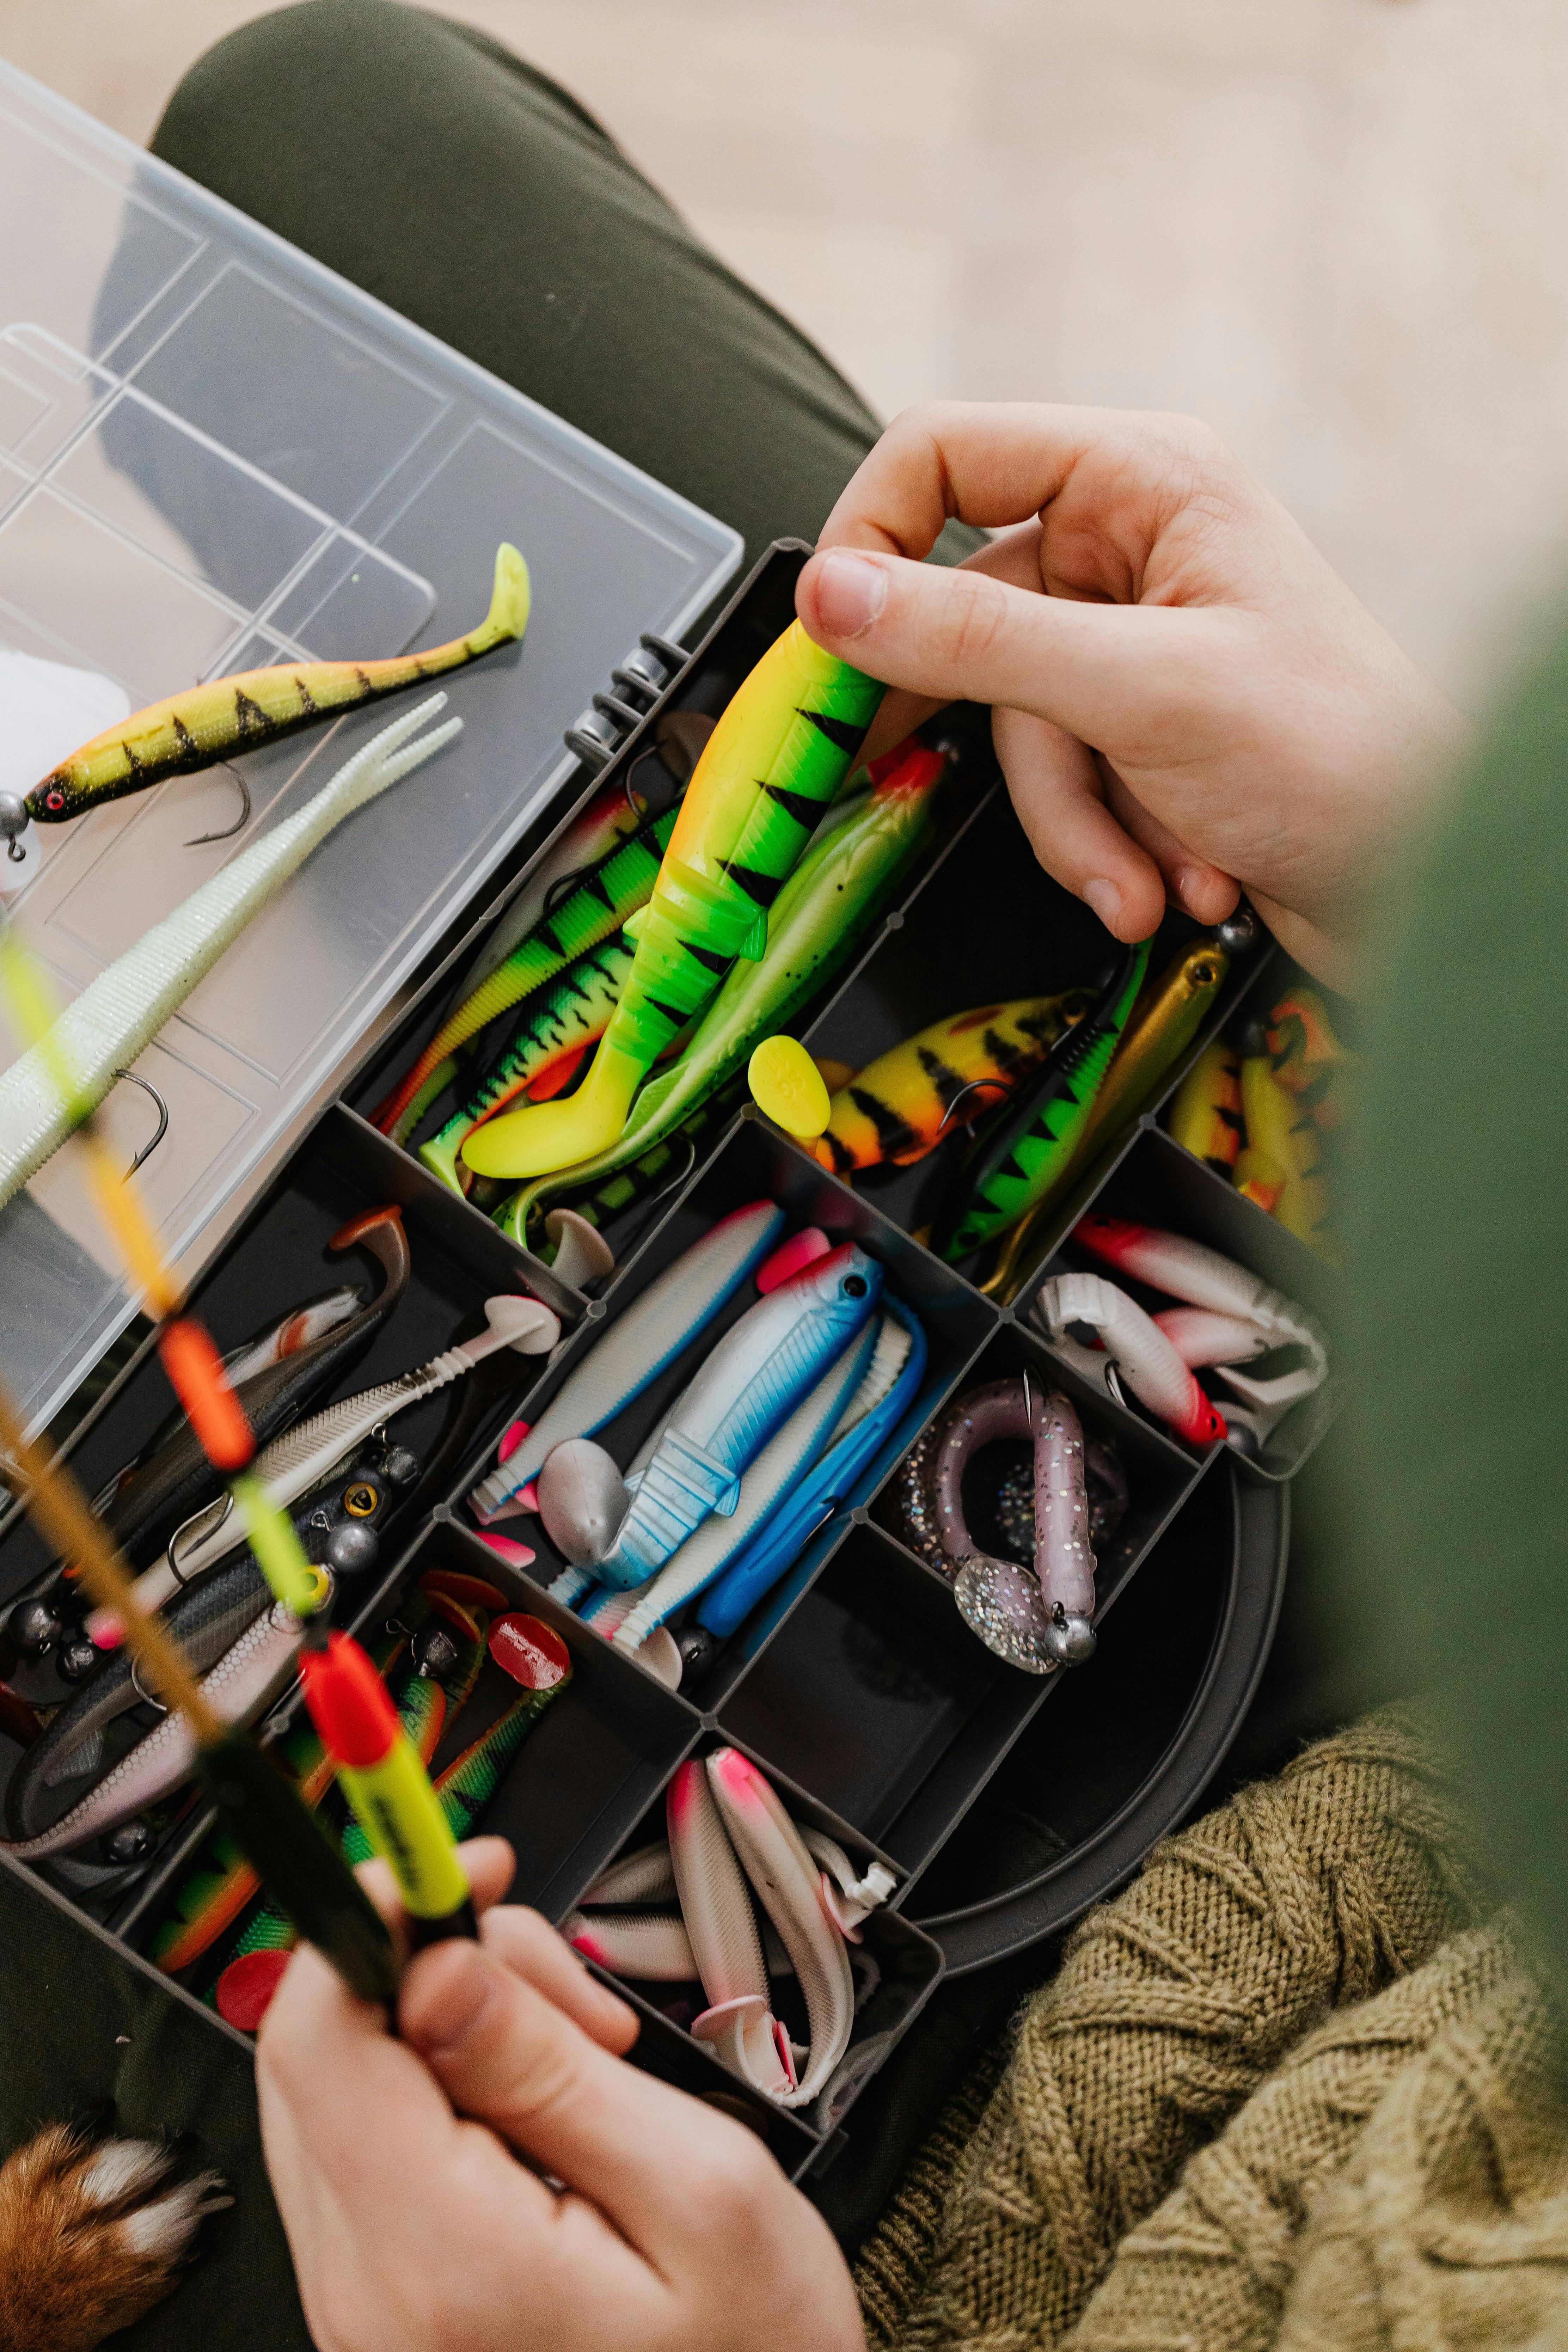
[(1134, 1346), (121, 1011), (788, 1882), (649, 1335), (306, 1454)]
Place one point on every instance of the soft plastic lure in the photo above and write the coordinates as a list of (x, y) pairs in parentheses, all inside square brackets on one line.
[(1019, 1152), (747, 1389), (597, 906), (776, 758), (1134, 1346), (1205, 1116), (885, 1393), (1188, 1270), (1309, 1059), (857, 860), (764, 1483), (652, 1331), (122, 1009), (1037, 1622), (899, 1107), (788, 1883), (212, 722), (251, 1674), (299, 1460), (1281, 1131), (290, 1364), (559, 1023), (648, 1178)]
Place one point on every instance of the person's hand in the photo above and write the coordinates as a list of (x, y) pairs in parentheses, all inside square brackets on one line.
[(1195, 700), (413, 2230)]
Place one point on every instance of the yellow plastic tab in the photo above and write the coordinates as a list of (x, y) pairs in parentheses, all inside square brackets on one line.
[(786, 1085)]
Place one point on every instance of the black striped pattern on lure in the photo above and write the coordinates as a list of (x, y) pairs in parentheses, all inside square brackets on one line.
[(1019, 1152), (566, 1014)]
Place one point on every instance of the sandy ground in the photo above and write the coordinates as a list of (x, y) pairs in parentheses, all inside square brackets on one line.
[(1337, 229)]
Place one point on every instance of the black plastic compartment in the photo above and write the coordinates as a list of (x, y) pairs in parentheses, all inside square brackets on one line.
[(909, 1964), (938, 1741)]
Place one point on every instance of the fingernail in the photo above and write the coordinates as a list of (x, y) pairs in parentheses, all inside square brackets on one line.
[(1105, 901), (1190, 880), (447, 2011), (851, 590)]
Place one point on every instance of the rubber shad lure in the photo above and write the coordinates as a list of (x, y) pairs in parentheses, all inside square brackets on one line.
[(776, 758), (859, 855), (560, 1022), (898, 1108), (121, 1011), (245, 1680), (297, 1462), (1135, 1350), (655, 1329), (339, 1527), (596, 907), (1229, 1297), (644, 1180), (290, 1364), (1206, 1117), (744, 1392), (210, 723), (727, 1828), (1019, 1153)]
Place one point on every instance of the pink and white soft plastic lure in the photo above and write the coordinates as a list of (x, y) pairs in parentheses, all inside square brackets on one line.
[(1203, 1278), (1134, 1346)]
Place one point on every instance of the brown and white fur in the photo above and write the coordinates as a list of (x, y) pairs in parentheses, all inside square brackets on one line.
[(91, 2236)]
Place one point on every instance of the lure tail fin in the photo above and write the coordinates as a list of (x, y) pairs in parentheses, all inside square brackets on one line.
[(384, 760), (510, 601), (548, 1136)]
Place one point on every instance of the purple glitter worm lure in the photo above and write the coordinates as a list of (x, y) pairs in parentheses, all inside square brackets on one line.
[(1037, 1622)]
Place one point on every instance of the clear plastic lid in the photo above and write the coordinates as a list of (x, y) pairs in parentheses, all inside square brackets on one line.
[(217, 455)]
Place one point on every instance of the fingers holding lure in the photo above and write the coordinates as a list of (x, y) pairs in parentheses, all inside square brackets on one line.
[(197, 729)]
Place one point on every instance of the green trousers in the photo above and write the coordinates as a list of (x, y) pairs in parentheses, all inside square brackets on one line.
[(421, 159)]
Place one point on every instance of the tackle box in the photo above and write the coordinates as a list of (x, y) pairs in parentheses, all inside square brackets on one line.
[(217, 455), (855, 1684)]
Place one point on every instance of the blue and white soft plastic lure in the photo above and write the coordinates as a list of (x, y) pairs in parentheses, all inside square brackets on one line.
[(745, 1391), (654, 1329), (885, 1395), (763, 1486)]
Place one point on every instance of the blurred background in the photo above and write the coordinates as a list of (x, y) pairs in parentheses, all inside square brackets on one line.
[(1336, 229)]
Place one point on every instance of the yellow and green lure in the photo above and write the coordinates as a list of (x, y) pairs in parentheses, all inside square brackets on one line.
[(775, 760), (208, 723), (899, 1107)]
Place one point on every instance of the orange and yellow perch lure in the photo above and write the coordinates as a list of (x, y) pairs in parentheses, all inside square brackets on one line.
[(207, 724), (899, 1107)]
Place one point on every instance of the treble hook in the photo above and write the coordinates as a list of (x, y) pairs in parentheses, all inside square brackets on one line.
[(147, 1149), (241, 821)]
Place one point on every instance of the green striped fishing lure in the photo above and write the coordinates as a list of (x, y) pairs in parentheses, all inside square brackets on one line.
[(561, 1018), (596, 908), (770, 766), (1019, 1152)]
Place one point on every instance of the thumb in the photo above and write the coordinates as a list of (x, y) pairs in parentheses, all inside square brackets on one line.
[(1113, 675)]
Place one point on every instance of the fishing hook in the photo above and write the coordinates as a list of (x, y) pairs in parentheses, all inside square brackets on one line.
[(162, 1129), (998, 1085), (241, 821)]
